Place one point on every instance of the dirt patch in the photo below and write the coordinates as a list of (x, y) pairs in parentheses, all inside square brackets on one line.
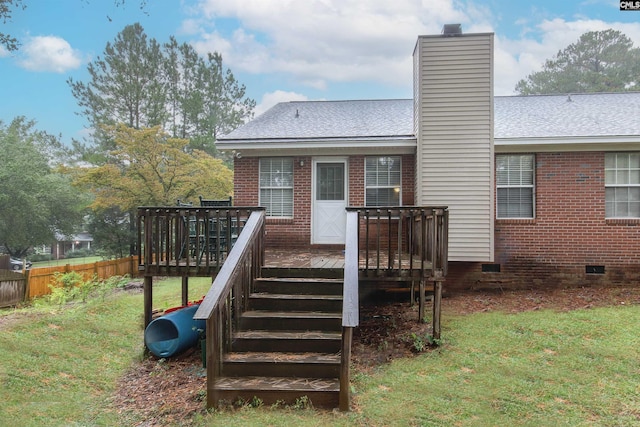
[(172, 391)]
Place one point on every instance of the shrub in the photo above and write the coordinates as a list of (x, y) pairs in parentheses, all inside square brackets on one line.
[(40, 257), (79, 253), (69, 286)]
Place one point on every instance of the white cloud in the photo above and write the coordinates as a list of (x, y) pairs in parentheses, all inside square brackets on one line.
[(319, 42), (49, 53), (3, 52), (272, 98), (325, 40), (515, 59)]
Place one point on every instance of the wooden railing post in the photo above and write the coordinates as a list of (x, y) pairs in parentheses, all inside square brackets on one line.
[(350, 306)]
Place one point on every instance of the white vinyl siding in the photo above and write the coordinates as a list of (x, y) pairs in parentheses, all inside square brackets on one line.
[(383, 181), (276, 186), (622, 185), (455, 156), (515, 185)]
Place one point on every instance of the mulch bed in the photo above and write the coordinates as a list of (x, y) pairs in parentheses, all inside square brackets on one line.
[(171, 391)]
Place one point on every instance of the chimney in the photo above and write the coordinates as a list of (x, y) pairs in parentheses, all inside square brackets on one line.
[(453, 123)]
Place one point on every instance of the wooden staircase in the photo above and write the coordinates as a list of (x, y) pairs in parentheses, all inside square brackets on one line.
[(287, 344)]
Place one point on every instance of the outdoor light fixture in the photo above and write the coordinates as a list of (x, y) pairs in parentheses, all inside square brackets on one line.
[(301, 162)]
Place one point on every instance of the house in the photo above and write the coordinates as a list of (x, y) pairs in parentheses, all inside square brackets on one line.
[(66, 244), (541, 190)]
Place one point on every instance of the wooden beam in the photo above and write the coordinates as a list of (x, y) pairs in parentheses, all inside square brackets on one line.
[(350, 297), (345, 370), (148, 299), (185, 290), (437, 301), (422, 301)]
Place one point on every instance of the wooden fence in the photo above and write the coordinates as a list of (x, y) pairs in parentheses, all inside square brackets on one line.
[(39, 279), (12, 286)]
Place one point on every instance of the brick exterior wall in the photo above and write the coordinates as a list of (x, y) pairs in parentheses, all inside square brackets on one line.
[(296, 231), (569, 232)]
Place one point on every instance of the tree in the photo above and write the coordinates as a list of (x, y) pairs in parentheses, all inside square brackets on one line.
[(36, 201), (125, 85), (142, 84), (153, 169), (6, 9), (600, 61), (204, 99), (111, 232)]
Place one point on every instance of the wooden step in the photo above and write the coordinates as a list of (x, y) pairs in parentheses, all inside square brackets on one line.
[(318, 365), (327, 273), (290, 320), (295, 302), (298, 286), (286, 341), (322, 392)]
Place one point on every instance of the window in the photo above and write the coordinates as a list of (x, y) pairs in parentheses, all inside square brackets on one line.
[(276, 186), (515, 185), (382, 181), (330, 184), (622, 185)]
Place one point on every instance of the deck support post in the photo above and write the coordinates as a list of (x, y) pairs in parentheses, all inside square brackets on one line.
[(437, 300), (422, 301), (185, 291), (413, 292), (345, 369), (148, 300)]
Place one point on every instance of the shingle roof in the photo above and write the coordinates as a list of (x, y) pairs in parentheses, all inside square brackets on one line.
[(577, 115), (539, 116), (330, 119)]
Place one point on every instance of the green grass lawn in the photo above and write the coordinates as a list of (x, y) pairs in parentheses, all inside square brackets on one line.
[(60, 366)]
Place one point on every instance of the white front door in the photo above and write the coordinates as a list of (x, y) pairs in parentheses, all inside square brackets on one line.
[(328, 216)]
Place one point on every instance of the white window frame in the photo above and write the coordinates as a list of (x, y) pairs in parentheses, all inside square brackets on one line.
[(265, 162), (622, 185), (397, 187), (517, 178)]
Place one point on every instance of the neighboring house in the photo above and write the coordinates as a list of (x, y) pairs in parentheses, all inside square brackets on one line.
[(542, 190), (66, 244)]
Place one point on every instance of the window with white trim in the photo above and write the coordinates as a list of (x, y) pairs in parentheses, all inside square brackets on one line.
[(382, 181), (622, 185), (515, 185), (276, 186)]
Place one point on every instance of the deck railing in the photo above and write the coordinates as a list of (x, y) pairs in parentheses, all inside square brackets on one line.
[(391, 243), (185, 240), (229, 295), (402, 242)]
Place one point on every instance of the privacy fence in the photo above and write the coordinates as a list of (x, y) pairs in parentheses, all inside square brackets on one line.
[(35, 282)]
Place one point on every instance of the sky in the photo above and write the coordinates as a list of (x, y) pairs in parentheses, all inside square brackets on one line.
[(283, 50)]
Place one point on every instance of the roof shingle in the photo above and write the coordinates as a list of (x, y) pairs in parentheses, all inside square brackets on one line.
[(538, 116)]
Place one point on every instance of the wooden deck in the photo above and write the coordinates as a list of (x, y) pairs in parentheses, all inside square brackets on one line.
[(304, 258), (289, 301)]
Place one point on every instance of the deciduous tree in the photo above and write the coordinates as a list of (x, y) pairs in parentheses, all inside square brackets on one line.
[(36, 201), (153, 169), (600, 61)]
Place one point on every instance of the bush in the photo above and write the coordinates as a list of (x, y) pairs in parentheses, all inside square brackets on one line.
[(80, 253), (71, 286), (67, 287), (40, 257)]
